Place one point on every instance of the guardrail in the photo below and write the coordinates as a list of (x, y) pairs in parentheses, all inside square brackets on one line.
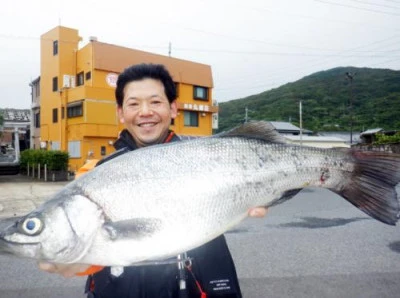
[(41, 172)]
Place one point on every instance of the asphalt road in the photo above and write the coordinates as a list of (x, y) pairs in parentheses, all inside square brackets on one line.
[(315, 245)]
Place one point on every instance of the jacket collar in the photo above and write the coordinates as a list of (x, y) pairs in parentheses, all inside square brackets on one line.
[(125, 140)]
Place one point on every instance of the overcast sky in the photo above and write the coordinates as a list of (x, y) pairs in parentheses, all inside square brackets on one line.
[(252, 46)]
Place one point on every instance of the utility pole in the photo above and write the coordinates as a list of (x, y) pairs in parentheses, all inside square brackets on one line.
[(301, 122), (247, 111), (350, 76)]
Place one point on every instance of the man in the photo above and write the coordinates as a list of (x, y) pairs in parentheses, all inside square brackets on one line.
[(146, 103)]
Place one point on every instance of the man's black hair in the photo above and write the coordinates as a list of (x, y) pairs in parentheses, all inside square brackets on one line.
[(145, 71)]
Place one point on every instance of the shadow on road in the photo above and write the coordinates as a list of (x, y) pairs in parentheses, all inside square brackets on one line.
[(319, 223), (395, 246)]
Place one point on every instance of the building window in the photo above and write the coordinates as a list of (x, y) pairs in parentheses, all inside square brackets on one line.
[(200, 93), (55, 47), (55, 116), (103, 150), (55, 84), (191, 118), (80, 79), (74, 149), (75, 110), (55, 145), (88, 75), (37, 120)]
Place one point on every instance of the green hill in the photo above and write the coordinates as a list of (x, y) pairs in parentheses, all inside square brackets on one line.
[(326, 98)]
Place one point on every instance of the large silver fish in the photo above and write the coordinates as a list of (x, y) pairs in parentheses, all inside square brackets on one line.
[(159, 201)]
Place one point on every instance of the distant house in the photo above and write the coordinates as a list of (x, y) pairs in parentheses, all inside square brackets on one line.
[(14, 137), (35, 114), (369, 136), (288, 128), (16, 124), (292, 135), (317, 141), (345, 135)]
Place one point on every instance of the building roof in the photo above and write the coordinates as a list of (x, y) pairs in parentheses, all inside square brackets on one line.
[(287, 127), (284, 125), (315, 138), (371, 131), (35, 81), (116, 58)]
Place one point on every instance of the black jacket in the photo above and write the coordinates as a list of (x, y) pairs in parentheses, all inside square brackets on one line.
[(212, 265)]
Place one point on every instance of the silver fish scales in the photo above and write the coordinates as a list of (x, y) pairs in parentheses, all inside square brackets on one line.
[(156, 202)]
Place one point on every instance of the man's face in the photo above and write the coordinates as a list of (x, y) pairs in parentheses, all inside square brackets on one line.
[(146, 111)]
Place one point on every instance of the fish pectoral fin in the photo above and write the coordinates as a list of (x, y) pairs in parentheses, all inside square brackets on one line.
[(132, 228)]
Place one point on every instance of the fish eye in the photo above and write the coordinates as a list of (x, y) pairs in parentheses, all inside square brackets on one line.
[(32, 226)]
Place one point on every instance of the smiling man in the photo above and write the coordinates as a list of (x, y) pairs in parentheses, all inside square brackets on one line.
[(146, 104), (146, 110)]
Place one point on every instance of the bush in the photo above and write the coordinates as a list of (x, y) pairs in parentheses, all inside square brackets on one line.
[(57, 160), (384, 139), (54, 159)]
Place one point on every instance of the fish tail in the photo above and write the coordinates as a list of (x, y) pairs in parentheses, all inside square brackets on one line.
[(372, 185)]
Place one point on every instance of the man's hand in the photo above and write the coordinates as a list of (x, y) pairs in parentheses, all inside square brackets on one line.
[(258, 212), (66, 270)]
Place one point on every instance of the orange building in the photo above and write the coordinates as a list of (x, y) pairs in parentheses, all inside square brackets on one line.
[(73, 99)]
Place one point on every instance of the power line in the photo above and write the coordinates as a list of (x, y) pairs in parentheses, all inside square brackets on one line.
[(392, 1), (387, 61), (324, 59), (281, 53), (277, 75), (375, 4), (22, 37), (315, 18), (255, 40), (359, 8)]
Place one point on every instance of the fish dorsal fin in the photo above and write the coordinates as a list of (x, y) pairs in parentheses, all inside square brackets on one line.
[(262, 130)]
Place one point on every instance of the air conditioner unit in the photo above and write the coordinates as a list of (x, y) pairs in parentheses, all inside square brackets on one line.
[(66, 81)]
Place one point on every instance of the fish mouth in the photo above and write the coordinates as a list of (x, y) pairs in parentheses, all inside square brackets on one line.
[(17, 248), (13, 243)]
